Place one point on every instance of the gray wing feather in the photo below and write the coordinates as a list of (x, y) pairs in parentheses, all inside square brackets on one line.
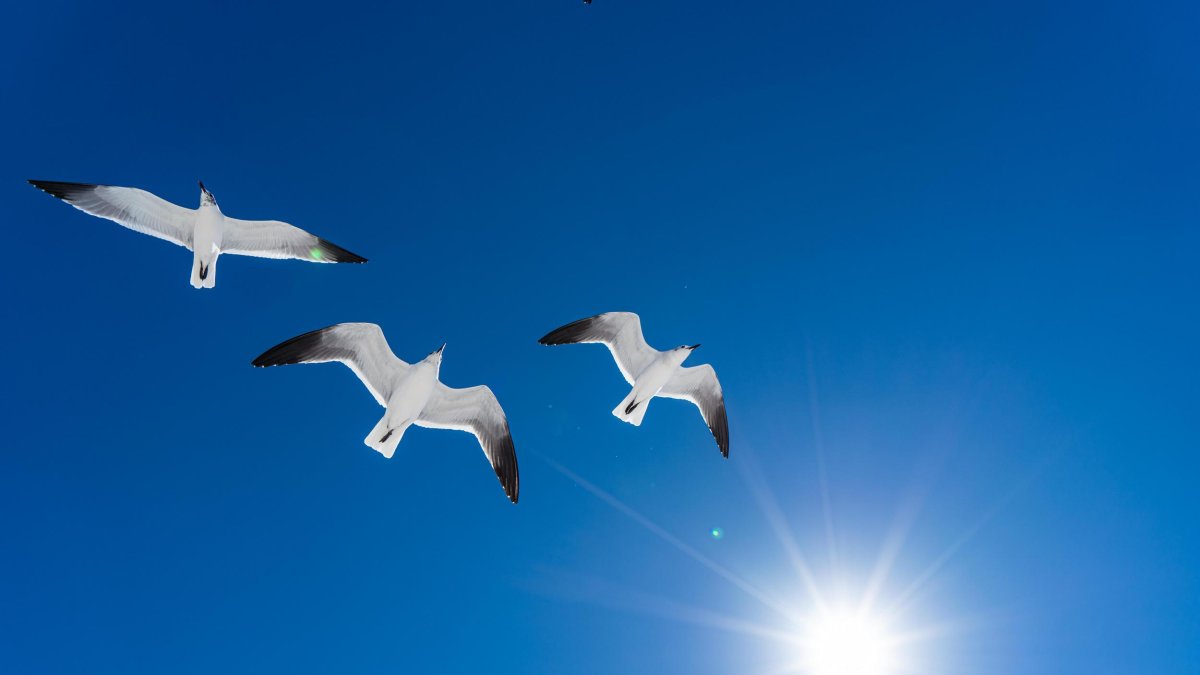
[(476, 410), (277, 239), (700, 386), (135, 209), (360, 346), (621, 332)]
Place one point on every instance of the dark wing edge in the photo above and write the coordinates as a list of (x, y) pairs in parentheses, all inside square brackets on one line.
[(490, 427), (503, 455), (330, 252), (295, 350), (63, 190), (477, 411), (718, 424), (700, 386), (572, 333)]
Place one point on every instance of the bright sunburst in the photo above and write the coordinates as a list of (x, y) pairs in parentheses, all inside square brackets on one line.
[(847, 643), (822, 626)]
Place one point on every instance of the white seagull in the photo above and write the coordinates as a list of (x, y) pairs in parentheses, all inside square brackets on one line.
[(205, 231), (411, 393), (650, 372)]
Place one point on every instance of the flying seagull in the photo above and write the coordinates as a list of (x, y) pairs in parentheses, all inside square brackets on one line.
[(650, 372), (411, 393), (205, 231)]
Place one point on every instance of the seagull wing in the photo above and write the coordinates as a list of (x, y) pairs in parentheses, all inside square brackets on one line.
[(476, 410), (277, 239), (361, 346), (136, 209), (700, 386), (621, 332)]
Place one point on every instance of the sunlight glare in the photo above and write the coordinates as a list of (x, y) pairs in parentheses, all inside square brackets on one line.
[(847, 644)]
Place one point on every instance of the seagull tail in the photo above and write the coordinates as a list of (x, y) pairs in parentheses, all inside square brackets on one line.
[(204, 274), (383, 439), (629, 411)]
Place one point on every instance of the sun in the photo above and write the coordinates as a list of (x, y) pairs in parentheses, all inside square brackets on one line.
[(847, 643)]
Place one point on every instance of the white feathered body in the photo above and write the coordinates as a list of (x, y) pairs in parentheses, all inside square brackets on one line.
[(648, 383), (411, 393), (206, 245)]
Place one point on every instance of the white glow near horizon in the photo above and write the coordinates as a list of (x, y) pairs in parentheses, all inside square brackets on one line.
[(847, 644)]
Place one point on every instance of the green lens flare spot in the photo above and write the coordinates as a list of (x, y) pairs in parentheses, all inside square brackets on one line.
[(316, 254), (717, 533)]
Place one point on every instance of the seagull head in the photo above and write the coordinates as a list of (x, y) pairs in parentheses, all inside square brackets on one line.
[(206, 197), (435, 356)]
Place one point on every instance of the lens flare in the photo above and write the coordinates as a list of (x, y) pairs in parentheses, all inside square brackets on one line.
[(717, 533)]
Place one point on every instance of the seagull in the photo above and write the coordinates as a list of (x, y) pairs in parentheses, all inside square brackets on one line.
[(205, 231), (650, 372), (411, 393)]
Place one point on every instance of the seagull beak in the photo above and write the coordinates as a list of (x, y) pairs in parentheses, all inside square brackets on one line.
[(693, 346)]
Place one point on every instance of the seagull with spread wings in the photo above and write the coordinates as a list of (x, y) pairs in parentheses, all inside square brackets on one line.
[(205, 231), (411, 393), (650, 372)]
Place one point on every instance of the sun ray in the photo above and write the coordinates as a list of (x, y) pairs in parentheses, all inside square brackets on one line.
[(814, 410), (905, 597), (767, 504), (614, 596), (834, 634), (674, 541), (906, 516)]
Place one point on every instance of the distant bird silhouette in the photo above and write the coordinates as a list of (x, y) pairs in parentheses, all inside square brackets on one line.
[(205, 231), (650, 372), (411, 394)]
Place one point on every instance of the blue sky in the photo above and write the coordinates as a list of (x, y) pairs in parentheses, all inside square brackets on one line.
[(942, 257)]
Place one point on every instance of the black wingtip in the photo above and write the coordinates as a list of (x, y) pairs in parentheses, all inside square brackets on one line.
[(511, 481), (331, 252), (290, 351), (720, 430), (505, 467), (570, 333), (61, 189)]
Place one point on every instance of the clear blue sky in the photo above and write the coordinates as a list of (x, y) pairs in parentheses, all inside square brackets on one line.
[(942, 254)]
